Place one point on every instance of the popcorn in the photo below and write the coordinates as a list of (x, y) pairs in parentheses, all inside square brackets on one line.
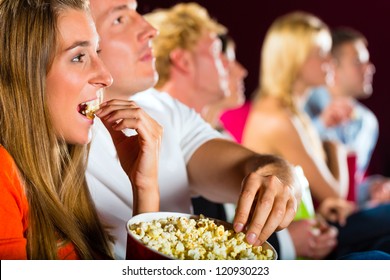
[(201, 239)]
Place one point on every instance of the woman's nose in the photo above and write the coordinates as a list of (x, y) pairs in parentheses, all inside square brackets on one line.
[(102, 77)]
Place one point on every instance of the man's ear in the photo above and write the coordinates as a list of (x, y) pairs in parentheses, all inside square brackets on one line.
[(181, 59)]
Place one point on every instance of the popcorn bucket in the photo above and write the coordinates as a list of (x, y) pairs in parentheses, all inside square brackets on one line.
[(137, 250)]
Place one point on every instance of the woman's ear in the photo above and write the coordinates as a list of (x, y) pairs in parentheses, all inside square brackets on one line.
[(181, 60)]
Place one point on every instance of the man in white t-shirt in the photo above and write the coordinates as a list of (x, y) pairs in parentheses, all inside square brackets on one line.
[(194, 159)]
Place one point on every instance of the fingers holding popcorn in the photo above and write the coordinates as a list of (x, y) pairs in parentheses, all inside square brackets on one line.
[(118, 115), (139, 152), (265, 205)]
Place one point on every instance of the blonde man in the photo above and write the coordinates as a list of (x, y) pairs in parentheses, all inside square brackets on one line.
[(186, 32)]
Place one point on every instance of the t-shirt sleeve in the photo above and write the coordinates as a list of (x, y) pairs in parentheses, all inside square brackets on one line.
[(13, 210), (180, 121), (195, 131)]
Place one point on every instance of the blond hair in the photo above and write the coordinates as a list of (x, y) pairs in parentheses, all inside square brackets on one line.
[(287, 44), (52, 171), (179, 27)]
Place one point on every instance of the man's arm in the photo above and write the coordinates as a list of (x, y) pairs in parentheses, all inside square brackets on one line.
[(263, 186)]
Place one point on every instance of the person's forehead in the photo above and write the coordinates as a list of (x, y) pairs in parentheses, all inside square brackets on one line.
[(103, 8), (230, 53), (207, 39), (122, 4), (323, 40), (362, 51), (356, 48), (76, 26)]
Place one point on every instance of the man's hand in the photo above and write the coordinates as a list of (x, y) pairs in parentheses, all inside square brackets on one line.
[(138, 154), (268, 199), (380, 191), (340, 110), (336, 209)]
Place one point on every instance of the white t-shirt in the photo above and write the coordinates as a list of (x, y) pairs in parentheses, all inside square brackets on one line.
[(184, 132)]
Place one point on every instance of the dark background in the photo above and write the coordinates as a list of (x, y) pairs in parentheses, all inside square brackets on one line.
[(248, 20)]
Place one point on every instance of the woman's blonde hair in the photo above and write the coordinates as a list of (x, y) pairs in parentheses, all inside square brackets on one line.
[(179, 27), (287, 45), (52, 171)]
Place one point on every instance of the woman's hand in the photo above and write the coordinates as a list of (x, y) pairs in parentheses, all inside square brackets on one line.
[(139, 153)]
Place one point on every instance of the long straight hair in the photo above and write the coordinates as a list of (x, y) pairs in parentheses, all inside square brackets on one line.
[(286, 47), (52, 171)]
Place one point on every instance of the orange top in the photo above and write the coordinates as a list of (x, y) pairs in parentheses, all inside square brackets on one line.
[(14, 213)]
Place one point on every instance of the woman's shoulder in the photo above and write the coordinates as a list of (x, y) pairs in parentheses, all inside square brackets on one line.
[(6, 160), (9, 174), (270, 114), (268, 126), (13, 210)]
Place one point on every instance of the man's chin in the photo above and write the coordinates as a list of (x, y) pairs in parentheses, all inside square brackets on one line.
[(367, 91), (143, 84)]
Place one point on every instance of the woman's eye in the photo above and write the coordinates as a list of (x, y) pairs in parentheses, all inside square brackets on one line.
[(78, 58)]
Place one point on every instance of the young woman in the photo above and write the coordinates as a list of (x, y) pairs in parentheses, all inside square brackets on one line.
[(50, 73), (294, 58)]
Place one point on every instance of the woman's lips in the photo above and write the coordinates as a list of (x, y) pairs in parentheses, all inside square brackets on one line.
[(89, 108)]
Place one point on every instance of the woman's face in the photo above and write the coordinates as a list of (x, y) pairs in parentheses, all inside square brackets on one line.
[(316, 68), (75, 77)]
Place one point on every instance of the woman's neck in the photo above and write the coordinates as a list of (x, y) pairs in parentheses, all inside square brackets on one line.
[(300, 94)]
